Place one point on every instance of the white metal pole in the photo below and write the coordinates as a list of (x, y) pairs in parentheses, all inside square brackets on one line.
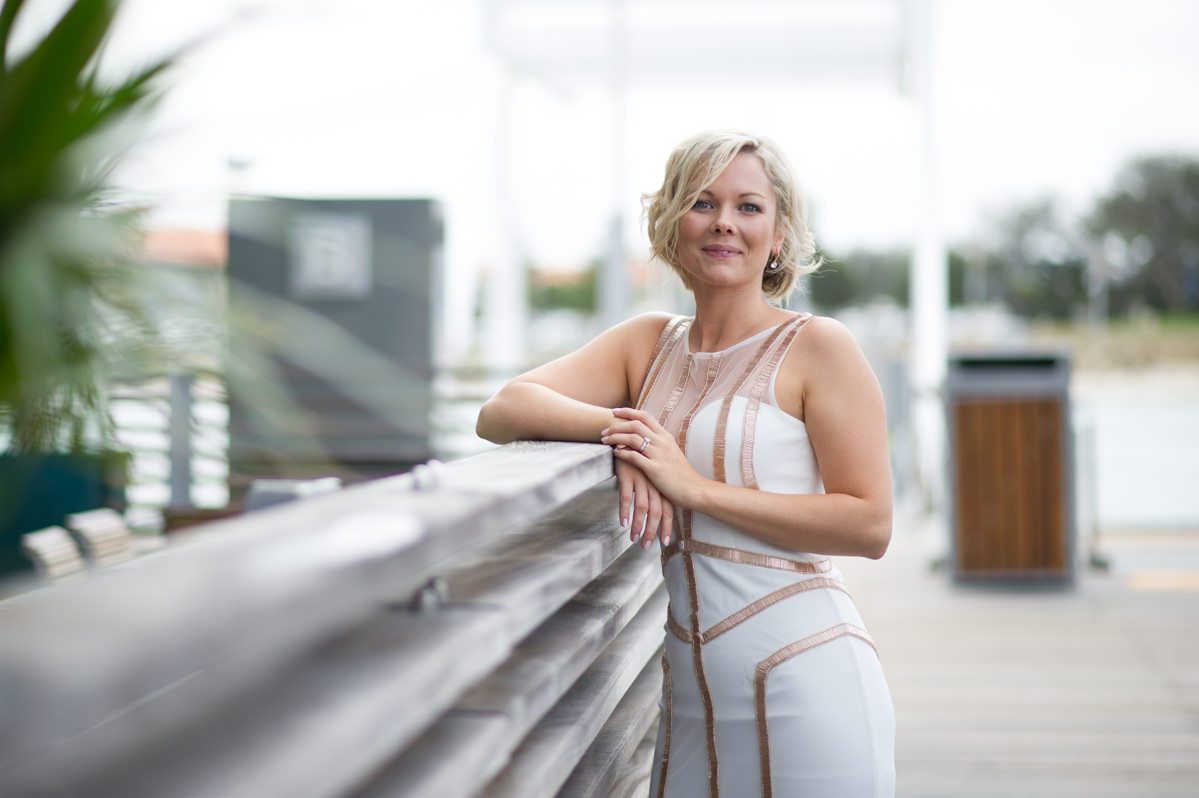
[(505, 305), (613, 281), (929, 279)]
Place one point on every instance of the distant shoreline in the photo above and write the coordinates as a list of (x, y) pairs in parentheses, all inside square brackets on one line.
[(1126, 345)]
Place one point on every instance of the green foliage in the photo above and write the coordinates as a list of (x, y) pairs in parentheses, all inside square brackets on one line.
[(1036, 265), (959, 278), (70, 304), (558, 291), (1146, 230), (860, 277)]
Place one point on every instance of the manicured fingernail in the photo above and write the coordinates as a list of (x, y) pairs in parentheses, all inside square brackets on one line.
[(604, 437), (624, 522), (666, 540), (604, 431), (645, 543)]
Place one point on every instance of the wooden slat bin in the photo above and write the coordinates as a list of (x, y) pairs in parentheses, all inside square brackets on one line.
[(1010, 465)]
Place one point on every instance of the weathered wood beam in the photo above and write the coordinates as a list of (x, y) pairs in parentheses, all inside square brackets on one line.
[(237, 601), (548, 755), (634, 779), (505, 706), (608, 760)]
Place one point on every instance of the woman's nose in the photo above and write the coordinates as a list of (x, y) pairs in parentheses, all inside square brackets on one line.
[(721, 225)]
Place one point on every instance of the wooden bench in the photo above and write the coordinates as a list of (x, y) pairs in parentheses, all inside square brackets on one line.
[(482, 627)]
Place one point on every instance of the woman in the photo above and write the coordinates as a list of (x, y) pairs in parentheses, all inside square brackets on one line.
[(763, 430)]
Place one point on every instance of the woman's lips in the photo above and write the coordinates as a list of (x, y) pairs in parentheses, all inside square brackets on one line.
[(721, 251)]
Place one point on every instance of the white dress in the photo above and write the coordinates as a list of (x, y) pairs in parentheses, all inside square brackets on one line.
[(772, 686)]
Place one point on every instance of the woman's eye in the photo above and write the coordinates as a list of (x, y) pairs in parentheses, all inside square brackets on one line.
[(751, 208), (702, 204)]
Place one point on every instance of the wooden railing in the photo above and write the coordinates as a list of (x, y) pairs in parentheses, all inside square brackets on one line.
[(481, 627)]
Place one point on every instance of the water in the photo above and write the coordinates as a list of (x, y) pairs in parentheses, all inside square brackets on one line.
[(1142, 432)]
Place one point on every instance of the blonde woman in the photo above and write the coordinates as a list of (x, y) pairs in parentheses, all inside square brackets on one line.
[(750, 444)]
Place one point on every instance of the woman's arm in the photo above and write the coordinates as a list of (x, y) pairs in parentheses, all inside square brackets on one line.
[(843, 409), (570, 399), (528, 410)]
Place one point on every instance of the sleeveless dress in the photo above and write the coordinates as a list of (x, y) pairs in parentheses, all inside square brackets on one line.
[(772, 686)]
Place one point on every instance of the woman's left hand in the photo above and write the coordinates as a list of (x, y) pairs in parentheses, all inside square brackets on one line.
[(638, 439)]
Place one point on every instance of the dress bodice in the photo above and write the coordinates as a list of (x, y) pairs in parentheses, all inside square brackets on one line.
[(721, 408)]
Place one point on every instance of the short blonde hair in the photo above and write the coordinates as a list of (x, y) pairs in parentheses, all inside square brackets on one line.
[(693, 166)]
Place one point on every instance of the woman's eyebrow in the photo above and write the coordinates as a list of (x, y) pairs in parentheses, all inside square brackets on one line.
[(742, 195)]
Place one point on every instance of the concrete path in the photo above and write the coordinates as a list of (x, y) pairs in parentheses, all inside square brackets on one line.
[(1091, 691)]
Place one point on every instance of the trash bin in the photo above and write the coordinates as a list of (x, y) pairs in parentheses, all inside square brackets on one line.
[(1010, 468)]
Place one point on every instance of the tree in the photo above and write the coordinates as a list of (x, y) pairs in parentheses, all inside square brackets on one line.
[(860, 277), (1035, 264), (1145, 231)]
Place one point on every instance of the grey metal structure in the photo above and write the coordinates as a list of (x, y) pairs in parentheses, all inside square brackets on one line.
[(330, 354), (1011, 468)]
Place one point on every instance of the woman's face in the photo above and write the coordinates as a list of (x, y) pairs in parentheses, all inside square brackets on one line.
[(725, 239)]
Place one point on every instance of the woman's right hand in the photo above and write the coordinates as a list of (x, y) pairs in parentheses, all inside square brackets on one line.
[(646, 512)]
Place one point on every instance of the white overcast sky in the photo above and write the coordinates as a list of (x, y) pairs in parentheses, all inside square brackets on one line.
[(402, 98)]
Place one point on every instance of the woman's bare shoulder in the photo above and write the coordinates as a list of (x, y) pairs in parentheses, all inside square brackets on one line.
[(824, 333), (650, 323), (641, 332), (825, 343), (823, 353), (831, 356)]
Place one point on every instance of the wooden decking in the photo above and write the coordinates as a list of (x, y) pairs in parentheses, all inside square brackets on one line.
[(1090, 691)]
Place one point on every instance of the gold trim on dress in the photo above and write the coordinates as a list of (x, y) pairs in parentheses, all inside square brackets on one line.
[(697, 659), (748, 479), (770, 599), (667, 330), (744, 557), (718, 449), (680, 631), (677, 393), (767, 665), (672, 333), (713, 370), (753, 608), (667, 691)]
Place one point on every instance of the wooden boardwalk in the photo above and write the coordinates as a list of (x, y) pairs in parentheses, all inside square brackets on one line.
[(1091, 691)]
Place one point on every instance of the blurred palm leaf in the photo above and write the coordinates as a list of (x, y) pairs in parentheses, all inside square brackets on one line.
[(69, 298)]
